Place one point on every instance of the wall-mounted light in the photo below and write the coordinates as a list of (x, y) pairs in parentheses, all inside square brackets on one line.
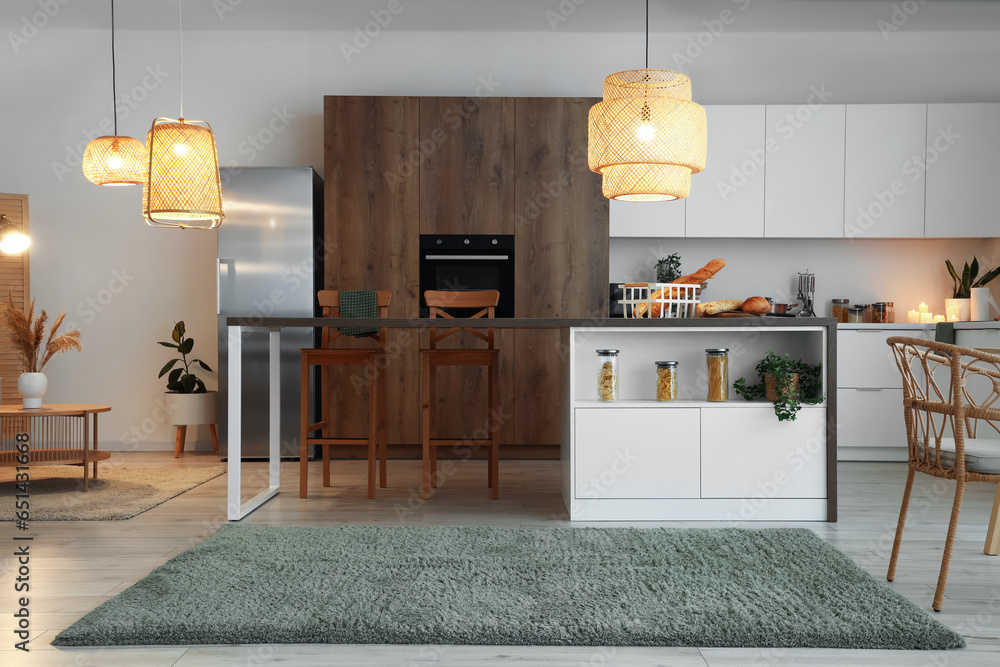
[(12, 240)]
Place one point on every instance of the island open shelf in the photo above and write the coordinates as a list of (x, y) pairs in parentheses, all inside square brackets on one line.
[(691, 459)]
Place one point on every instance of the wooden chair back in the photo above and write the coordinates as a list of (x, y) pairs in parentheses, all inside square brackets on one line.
[(945, 387), (439, 301), (329, 301)]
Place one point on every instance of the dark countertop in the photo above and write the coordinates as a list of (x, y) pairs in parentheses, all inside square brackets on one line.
[(532, 322)]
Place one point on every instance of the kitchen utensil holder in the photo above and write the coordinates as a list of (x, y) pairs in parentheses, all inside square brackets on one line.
[(675, 300)]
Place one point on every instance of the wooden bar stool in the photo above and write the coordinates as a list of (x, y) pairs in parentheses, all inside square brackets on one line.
[(324, 357), (430, 358)]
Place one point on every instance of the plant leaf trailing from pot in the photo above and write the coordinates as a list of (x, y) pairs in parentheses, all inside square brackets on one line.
[(182, 380), (965, 284), (668, 269), (28, 332), (788, 397)]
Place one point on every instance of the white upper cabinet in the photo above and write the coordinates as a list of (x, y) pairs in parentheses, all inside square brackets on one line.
[(963, 141), (653, 219), (884, 187), (727, 199), (804, 189)]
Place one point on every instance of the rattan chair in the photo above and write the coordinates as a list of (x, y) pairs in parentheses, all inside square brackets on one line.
[(972, 390)]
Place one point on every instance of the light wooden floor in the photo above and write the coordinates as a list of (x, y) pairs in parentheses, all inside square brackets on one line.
[(77, 565)]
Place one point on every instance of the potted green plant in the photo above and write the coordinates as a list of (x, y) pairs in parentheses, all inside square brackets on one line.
[(668, 269), (785, 382), (188, 401), (964, 286)]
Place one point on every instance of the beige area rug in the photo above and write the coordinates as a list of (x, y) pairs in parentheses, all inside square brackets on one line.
[(56, 492)]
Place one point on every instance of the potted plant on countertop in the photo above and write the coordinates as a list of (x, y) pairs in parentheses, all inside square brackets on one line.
[(668, 269), (785, 382), (27, 333), (964, 285), (188, 401)]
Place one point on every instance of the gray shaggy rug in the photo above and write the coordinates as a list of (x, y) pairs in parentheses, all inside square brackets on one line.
[(531, 586)]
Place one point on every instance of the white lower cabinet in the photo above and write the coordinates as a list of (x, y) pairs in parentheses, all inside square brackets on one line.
[(748, 453), (637, 453), (870, 418)]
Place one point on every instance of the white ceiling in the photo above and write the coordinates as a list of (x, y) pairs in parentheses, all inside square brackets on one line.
[(675, 16)]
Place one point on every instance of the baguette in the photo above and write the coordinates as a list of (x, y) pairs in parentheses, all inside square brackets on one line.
[(715, 307), (703, 274)]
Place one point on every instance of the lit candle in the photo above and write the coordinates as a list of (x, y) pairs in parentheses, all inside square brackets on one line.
[(953, 318), (939, 318), (923, 308), (913, 316), (926, 318), (952, 311)]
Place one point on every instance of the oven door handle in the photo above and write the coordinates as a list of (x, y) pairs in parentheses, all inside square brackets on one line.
[(465, 257)]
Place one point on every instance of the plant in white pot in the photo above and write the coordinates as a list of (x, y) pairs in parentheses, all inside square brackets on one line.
[(27, 334), (188, 402), (965, 286)]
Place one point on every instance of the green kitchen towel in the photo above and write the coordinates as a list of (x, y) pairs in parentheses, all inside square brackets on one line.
[(944, 332), (358, 303)]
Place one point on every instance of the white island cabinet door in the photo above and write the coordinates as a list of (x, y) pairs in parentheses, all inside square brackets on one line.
[(884, 189), (747, 453), (647, 219), (727, 199), (804, 186), (963, 142), (637, 453)]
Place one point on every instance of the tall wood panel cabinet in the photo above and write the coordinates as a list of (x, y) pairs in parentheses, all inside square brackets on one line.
[(398, 167), (14, 283)]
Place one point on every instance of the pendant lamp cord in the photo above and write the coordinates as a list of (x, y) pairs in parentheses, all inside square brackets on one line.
[(114, 100), (180, 34), (647, 34)]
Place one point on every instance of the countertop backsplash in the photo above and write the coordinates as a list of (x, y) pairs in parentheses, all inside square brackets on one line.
[(904, 271)]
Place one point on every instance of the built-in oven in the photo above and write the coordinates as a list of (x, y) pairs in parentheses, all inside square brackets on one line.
[(468, 262)]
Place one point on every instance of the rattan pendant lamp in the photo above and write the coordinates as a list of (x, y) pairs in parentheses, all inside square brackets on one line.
[(647, 137), (114, 160), (182, 187)]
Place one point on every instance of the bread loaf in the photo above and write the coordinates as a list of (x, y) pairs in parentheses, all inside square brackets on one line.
[(757, 305), (715, 307), (703, 274)]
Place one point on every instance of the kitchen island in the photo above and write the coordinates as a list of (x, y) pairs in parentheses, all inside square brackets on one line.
[(636, 458)]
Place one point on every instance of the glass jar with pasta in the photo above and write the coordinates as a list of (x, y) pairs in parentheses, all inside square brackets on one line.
[(607, 375), (718, 373), (666, 380)]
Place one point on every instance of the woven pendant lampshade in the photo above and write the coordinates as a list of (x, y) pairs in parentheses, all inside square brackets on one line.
[(647, 137), (114, 161), (182, 188)]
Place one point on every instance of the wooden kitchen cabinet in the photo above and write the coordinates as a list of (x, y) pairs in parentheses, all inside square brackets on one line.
[(804, 187), (884, 186), (727, 199), (963, 141), (654, 219)]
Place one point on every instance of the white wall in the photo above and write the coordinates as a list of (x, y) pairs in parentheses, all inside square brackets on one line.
[(83, 234)]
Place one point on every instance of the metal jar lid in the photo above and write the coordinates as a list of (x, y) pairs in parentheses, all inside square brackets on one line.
[(666, 364), (841, 302), (884, 303), (608, 353), (717, 350), (857, 309)]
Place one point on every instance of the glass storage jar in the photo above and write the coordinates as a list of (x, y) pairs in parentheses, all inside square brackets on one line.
[(718, 373), (856, 315), (885, 313), (840, 307), (666, 380), (607, 375)]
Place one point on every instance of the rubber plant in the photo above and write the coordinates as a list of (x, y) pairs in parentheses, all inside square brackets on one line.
[(788, 400), (965, 284), (182, 380)]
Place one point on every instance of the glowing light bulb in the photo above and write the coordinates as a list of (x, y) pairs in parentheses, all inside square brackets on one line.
[(115, 162), (181, 149), (645, 132)]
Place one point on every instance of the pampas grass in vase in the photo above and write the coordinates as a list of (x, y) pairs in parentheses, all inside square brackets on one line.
[(27, 334)]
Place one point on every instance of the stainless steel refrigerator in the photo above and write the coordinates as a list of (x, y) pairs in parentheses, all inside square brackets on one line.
[(270, 265)]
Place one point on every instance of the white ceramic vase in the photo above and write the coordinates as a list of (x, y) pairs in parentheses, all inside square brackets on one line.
[(32, 387), (963, 306), (980, 311)]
